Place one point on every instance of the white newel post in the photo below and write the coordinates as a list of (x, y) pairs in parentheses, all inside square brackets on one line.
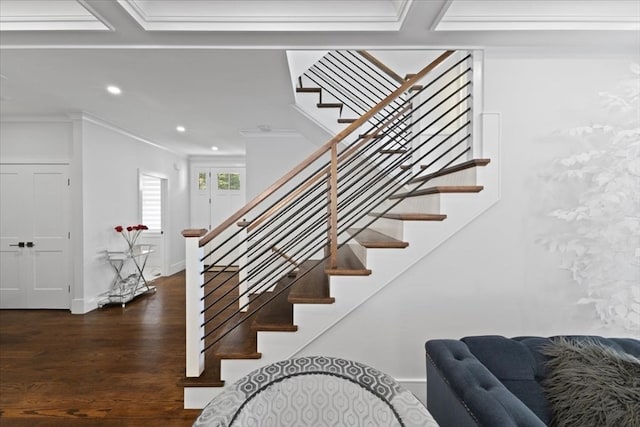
[(477, 107), (194, 302)]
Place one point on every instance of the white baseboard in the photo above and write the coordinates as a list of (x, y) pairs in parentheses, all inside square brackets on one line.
[(177, 267), (198, 397), (82, 306)]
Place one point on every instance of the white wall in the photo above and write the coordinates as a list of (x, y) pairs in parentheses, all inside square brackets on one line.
[(269, 159), (492, 277), (111, 161), (104, 163), (35, 140)]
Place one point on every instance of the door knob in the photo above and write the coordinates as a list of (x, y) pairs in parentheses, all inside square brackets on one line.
[(30, 244), (19, 244)]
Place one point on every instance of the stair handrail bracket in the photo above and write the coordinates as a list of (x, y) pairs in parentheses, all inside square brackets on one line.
[(422, 126)]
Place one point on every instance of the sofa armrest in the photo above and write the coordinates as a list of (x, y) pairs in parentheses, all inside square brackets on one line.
[(462, 392)]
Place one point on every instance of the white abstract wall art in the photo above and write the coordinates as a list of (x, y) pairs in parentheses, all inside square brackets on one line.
[(596, 212)]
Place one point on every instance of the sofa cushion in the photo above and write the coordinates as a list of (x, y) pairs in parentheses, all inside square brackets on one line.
[(485, 398), (497, 380), (590, 384), (517, 365)]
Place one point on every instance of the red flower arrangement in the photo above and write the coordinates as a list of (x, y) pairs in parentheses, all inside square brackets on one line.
[(131, 233)]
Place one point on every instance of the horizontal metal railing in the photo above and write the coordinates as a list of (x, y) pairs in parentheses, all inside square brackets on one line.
[(306, 215), (351, 79)]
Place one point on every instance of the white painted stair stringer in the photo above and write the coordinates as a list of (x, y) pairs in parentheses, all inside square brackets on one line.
[(350, 292)]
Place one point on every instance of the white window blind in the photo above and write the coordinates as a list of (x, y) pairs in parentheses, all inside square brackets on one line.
[(151, 193)]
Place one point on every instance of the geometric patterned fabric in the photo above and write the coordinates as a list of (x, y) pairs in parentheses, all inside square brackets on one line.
[(315, 391)]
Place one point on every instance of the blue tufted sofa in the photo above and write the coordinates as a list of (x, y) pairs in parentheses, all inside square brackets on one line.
[(493, 381)]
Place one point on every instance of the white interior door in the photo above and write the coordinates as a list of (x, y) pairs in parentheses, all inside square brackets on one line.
[(227, 197), (12, 227), (217, 193), (201, 198), (34, 236), (153, 214)]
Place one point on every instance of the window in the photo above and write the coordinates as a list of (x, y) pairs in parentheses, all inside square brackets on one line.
[(228, 181), (202, 181), (151, 195)]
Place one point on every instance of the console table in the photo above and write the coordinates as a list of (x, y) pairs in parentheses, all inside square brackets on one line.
[(124, 289)]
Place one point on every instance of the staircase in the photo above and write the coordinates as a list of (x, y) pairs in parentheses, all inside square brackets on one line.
[(397, 181)]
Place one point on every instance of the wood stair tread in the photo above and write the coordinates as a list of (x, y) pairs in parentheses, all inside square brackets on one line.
[(276, 315), (411, 216), (438, 190), (329, 105), (374, 239), (240, 343), (451, 169), (312, 287), (343, 120), (210, 377), (308, 90), (348, 264)]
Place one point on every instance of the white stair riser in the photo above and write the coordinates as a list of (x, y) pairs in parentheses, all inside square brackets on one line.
[(429, 204), (198, 397), (463, 177), (359, 251), (390, 227)]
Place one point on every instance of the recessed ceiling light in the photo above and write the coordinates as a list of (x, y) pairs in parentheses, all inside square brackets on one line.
[(214, 148), (114, 90), (181, 128)]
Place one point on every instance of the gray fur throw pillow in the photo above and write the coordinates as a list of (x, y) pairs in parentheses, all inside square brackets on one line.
[(589, 384)]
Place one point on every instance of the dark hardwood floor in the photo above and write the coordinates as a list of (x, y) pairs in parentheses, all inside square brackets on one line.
[(111, 367)]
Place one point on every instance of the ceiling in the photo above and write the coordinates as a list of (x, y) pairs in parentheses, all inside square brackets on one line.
[(219, 67)]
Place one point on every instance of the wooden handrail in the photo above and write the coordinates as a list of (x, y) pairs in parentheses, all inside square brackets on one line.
[(285, 256), (323, 149), (382, 66), (309, 182)]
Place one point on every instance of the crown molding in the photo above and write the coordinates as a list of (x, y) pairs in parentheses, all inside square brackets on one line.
[(102, 123), (269, 15), (39, 23), (35, 118), (547, 23), (519, 15), (43, 16)]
